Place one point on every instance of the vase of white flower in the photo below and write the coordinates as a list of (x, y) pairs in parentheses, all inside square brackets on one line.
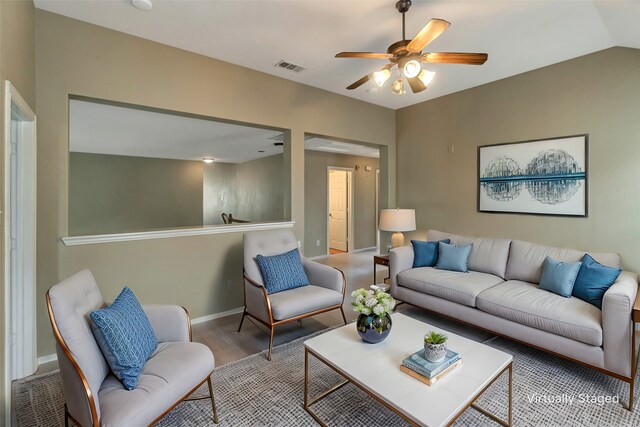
[(374, 322)]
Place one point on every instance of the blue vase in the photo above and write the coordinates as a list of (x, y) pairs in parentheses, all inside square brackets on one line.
[(373, 328)]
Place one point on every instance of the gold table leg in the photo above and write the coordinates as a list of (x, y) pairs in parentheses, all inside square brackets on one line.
[(483, 411)]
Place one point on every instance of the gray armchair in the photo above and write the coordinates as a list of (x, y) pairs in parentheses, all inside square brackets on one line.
[(93, 395), (325, 292)]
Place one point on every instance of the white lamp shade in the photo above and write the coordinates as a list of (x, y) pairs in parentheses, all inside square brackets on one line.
[(397, 220)]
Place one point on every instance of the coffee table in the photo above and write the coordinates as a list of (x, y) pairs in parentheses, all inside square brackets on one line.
[(375, 368)]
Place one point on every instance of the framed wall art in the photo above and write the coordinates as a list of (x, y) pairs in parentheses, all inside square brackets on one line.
[(540, 177)]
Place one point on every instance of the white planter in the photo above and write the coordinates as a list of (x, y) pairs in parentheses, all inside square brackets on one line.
[(435, 352)]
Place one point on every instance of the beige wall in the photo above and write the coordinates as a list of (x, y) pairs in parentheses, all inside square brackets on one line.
[(17, 64), (83, 59), (251, 191), (315, 190), (116, 194), (598, 94)]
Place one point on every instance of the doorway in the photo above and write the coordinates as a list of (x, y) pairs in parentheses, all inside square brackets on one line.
[(19, 239), (340, 209)]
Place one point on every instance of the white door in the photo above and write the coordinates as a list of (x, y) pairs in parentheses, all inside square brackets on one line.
[(338, 210)]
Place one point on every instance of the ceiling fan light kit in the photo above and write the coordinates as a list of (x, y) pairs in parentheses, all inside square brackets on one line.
[(411, 68), (408, 57), (381, 77), (398, 87)]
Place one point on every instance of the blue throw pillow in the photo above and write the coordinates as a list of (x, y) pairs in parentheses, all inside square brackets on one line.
[(425, 254), (593, 280), (282, 272), (125, 337), (559, 277), (453, 257)]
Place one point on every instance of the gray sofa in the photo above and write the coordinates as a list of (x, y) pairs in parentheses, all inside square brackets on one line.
[(500, 294)]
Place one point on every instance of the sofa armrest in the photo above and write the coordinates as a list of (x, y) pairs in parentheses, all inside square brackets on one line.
[(170, 323), (324, 275), (617, 325), (400, 259)]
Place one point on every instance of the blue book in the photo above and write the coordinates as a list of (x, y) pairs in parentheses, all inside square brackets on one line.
[(418, 363)]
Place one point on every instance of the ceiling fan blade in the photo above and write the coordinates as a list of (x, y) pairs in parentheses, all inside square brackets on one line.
[(370, 55), (455, 58), (429, 33), (360, 82), (416, 85)]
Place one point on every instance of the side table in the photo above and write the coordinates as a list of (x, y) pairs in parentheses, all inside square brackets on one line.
[(380, 260)]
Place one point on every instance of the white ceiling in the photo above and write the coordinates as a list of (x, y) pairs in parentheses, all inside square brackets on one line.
[(518, 35), (108, 129)]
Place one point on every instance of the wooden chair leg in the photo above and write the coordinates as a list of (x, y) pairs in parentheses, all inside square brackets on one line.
[(270, 343), (343, 316), (213, 400), (244, 313)]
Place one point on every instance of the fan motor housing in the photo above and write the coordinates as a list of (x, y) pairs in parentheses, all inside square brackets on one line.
[(398, 49)]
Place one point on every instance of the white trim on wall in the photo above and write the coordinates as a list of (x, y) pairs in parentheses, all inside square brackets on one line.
[(213, 316), (164, 234), (19, 241), (370, 248)]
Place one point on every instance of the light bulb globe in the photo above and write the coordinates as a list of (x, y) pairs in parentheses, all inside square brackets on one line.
[(412, 69)]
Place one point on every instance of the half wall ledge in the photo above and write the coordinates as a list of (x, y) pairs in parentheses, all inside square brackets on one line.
[(177, 232)]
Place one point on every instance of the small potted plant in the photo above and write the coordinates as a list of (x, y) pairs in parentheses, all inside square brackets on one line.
[(435, 346), (374, 322)]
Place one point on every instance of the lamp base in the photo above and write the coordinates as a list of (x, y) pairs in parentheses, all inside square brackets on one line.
[(397, 239)]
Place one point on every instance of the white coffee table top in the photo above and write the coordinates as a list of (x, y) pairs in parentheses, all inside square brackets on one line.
[(376, 367)]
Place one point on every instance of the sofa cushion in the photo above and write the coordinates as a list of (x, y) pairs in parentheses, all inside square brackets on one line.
[(282, 272), (125, 336), (527, 304), (173, 370), (487, 255), (526, 259), (462, 288), (453, 257), (559, 277), (291, 303), (425, 254), (593, 280)]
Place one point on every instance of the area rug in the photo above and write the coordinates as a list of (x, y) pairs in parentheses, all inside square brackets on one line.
[(547, 391)]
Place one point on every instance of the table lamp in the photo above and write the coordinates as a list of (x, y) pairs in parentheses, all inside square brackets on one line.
[(397, 220)]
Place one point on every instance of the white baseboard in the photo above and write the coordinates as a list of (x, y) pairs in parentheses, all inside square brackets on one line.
[(314, 258), (48, 358), (53, 357), (217, 315), (364, 249)]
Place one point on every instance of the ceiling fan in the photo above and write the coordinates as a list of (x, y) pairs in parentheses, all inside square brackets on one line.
[(408, 56)]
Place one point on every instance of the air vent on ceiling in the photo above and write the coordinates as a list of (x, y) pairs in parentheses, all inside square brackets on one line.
[(289, 66)]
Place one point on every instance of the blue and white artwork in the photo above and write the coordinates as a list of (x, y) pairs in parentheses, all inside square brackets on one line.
[(547, 177)]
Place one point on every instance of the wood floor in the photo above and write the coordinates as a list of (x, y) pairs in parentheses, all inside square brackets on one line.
[(229, 345)]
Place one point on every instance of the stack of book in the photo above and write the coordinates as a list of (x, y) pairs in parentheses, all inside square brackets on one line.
[(429, 373)]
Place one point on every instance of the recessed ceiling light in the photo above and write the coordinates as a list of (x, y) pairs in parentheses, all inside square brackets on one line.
[(145, 5), (208, 159)]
